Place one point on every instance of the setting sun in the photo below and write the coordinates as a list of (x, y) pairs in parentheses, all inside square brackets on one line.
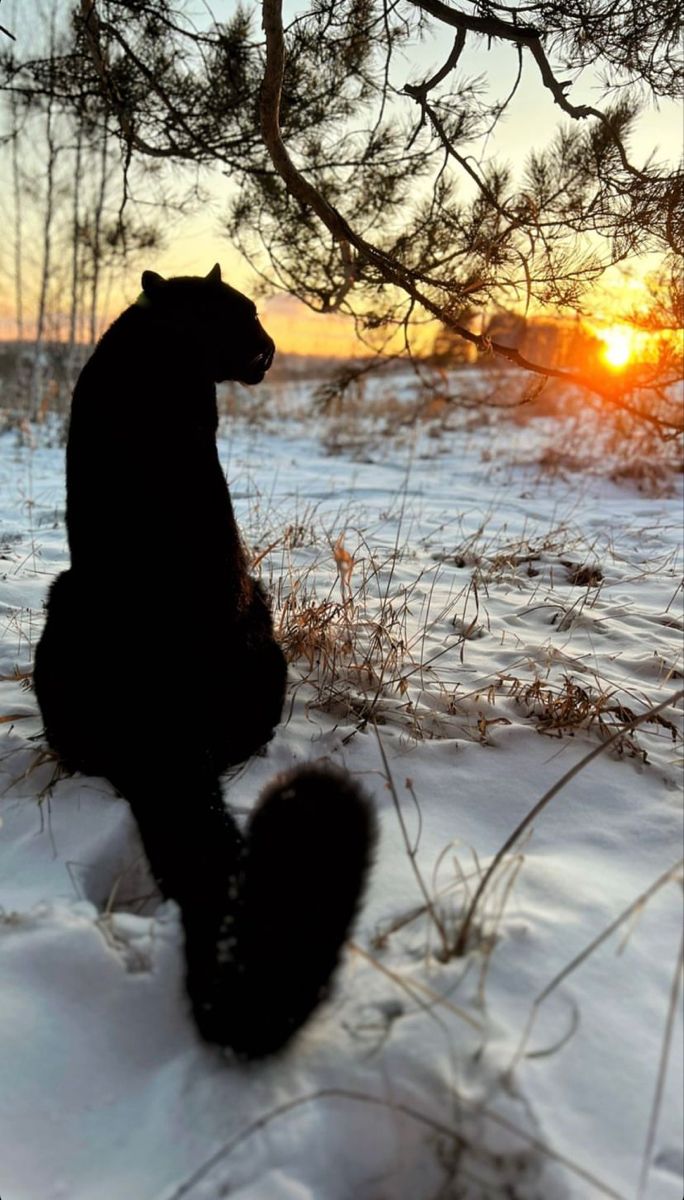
[(618, 346)]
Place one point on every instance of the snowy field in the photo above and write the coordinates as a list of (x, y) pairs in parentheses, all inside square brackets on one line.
[(471, 605)]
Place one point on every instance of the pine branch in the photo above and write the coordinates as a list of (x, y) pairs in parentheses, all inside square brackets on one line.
[(525, 35), (389, 268)]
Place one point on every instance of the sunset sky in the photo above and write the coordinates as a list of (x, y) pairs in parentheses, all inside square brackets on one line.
[(196, 243), (531, 121)]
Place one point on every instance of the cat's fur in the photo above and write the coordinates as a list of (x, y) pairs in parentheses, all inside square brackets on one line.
[(158, 668)]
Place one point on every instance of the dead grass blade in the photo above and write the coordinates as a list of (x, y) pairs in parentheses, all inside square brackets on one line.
[(662, 1071), (394, 1106), (588, 950), (18, 675), (650, 713), (432, 999), (411, 852)]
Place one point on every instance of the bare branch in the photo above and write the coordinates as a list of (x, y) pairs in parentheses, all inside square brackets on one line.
[(420, 90), (531, 38), (91, 27), (488, 26)]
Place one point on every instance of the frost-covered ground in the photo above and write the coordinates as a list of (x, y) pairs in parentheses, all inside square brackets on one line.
[(465, 625)]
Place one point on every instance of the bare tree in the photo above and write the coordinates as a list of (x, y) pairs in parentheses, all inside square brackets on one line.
[(14, 136), (67, 234), (50, 166)]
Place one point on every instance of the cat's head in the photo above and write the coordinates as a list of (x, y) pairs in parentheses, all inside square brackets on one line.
[(218, 319)]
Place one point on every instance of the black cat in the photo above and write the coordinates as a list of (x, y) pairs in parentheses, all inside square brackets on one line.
[(158, 668)]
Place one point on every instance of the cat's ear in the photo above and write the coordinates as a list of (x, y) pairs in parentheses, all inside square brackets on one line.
[(151, 282), (214, 275)]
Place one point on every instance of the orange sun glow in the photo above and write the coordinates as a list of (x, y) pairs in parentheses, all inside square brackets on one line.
[(618, 343)]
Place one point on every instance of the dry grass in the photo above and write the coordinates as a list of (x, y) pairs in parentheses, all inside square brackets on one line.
[(569, 706), (348, 640), (364, 407), (373, 640)]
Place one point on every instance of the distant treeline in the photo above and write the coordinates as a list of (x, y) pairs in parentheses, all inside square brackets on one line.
[(558, 342)]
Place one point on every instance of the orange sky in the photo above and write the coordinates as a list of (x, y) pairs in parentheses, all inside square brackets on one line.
[(295, 328), (197, 242)]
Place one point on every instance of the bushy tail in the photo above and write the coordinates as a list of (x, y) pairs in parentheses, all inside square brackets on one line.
[(265, 915)]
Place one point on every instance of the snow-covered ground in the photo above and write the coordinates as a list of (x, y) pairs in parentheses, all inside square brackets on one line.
[(467, 619)]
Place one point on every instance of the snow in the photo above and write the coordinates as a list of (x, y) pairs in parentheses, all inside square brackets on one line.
[(459, 653)]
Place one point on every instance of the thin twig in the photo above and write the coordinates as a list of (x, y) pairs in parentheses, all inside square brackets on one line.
[(546, 798), (392, 1106), (410, 850), (588, 950), (433, 999), (662, 1070)]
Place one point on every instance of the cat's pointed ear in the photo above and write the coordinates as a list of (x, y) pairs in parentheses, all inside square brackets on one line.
[(151, 282), (214, 275)]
